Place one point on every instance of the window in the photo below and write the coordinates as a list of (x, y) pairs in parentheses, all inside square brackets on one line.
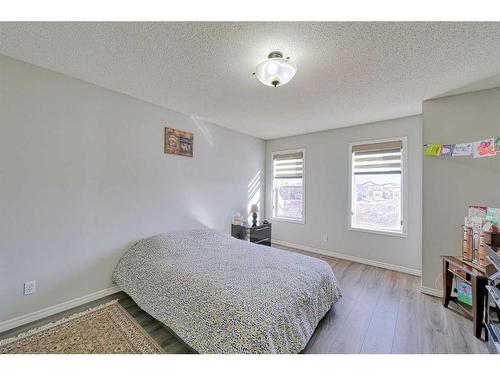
[(288, 185), (377, 186)]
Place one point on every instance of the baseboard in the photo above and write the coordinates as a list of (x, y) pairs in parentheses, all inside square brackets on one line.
[(51, 310), (392, 267), (431, 291)]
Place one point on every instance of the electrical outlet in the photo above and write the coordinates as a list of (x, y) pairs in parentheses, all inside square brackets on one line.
[(325, 237), (29, 287)]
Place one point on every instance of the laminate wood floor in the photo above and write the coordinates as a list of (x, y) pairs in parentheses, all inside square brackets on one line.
[(381, 311)]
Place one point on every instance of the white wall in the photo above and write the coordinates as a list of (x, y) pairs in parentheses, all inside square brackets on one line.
[(452, 184), (83, 175), (327, 194)]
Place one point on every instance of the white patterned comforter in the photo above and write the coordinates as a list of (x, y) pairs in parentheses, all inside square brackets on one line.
[(223, 295)]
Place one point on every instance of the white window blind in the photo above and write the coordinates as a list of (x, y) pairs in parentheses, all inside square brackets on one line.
[(288, 165), (377, 158)]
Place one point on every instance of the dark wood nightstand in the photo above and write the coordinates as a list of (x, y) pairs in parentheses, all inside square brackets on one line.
[(258, 234)]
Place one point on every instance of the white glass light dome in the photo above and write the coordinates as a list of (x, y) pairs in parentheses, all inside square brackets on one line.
[(275, 71)]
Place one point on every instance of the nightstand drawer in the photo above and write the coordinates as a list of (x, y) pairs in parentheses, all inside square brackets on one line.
[(265, 241), (260, 233)]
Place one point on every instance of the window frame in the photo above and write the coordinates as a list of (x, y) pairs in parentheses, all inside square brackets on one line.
[(404, 189), (274, 190)]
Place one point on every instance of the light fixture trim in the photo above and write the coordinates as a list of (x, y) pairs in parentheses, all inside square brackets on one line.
[(275, 70)]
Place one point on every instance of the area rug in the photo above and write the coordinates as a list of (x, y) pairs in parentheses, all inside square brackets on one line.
[(105, 329)]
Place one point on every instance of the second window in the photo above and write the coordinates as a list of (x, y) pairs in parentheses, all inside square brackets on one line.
[(288, 185), (377, 189)]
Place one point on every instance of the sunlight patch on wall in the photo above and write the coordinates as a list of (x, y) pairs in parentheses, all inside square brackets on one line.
[(254, 188)]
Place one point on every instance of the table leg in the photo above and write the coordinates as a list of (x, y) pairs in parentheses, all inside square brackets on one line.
[(478, 294), (447, 283)]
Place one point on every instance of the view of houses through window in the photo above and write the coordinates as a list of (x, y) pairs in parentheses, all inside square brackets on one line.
[(289, 198), (378, 201)]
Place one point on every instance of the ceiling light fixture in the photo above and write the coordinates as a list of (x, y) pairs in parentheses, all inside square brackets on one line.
[(276, 70)]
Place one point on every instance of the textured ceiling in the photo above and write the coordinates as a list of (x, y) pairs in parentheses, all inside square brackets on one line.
[(348, 73)]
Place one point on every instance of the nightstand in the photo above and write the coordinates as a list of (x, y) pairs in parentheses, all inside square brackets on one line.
[(258, 234)]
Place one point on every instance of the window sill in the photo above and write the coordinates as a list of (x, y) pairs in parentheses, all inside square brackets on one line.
[(296, 221), (379, 232)]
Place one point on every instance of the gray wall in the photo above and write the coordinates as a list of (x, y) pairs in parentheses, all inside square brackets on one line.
[(452, 184), (83, 175), (327, 195)]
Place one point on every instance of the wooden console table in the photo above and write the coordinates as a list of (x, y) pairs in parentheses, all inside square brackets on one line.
[(453, 266)]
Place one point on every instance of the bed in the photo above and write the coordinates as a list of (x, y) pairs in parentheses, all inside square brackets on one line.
[(224, 295)]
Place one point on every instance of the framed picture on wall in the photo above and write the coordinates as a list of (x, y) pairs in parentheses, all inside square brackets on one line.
[(178, 142)]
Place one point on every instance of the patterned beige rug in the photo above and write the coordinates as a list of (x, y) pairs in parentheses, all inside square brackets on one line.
[(104, 329)]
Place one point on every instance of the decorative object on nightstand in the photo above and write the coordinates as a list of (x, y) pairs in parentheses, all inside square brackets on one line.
[(258, 233), (254, 211), (237, 219)]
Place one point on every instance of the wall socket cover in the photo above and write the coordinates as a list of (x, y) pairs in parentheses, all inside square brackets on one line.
[(29, 287)]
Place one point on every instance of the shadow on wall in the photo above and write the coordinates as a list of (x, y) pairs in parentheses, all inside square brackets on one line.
[(254, 188)]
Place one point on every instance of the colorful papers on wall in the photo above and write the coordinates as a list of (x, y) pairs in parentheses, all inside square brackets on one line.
[(479, 149), (432, 149), (462, 149), (483, 148), (447, 150)]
